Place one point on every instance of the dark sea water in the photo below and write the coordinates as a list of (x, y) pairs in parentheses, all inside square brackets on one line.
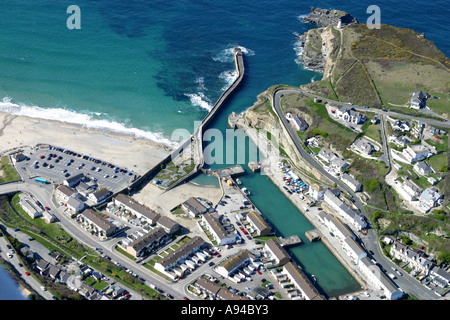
[(150, 67)]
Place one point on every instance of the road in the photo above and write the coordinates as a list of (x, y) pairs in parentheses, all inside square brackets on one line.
[(370, 241)]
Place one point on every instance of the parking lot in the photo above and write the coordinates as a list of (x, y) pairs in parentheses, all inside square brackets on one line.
[(57, 164)]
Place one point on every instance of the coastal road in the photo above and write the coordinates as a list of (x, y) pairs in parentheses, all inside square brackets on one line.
[(432, 122), (370, 241)]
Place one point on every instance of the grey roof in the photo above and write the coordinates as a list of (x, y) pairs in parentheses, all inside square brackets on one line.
[(136, 206)]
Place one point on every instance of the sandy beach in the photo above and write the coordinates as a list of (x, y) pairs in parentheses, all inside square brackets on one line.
[(123, 150)]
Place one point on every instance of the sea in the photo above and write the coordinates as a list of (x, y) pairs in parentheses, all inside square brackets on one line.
[(150, 67)]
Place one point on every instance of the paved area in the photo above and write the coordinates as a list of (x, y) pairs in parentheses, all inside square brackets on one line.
[(57, 164)]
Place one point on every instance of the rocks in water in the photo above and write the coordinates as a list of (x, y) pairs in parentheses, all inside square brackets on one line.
[(325, 17)]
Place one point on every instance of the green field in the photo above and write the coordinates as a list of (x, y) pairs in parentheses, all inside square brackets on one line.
[(7, 171)]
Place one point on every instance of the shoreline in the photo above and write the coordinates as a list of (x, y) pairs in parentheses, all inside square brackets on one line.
[(108, 145)]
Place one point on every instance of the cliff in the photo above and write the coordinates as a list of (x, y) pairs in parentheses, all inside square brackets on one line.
[(373, 66), (325, 17)]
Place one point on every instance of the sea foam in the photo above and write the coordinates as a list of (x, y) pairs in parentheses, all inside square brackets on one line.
[(226, 55), (86, 120)]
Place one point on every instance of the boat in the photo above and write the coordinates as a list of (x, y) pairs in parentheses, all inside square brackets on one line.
[(314, 278), (246, 192), (238, 181)]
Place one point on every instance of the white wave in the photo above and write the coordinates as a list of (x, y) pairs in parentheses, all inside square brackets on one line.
[(229, 77), (200, 100), (302, 17), (298, 48), (201, 83), (226, 55), (83, 119)]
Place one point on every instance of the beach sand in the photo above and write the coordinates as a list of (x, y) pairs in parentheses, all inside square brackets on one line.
[(123, 150)]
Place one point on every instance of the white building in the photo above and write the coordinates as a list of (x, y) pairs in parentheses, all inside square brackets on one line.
[(351, 182), (363, 147), (418, 99), (316, 191), (378, 279), (416, 152), (212, 223), (431, 197), (276, 252), (75, 205), (64, 193), (344, 211), (422, 168), (301, 282), (350, 115), (353, 250)]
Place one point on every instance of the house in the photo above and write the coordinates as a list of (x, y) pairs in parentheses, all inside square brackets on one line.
[(416, 152), (75, 205), (422, 168), (179, 255), (194, 207), (150, 241), (354, 184), (96, 223), (257, 221), (401, 141), (353, 250), (301, 282), (418, 99), (415, 259), (141, 211), (373, 275), (338, 164), (431, 197), (401, 125), (212, 223), (30, 206), (363, 147), (298, 123), (74, 180), (350, 115), (335, 225), (343, 210), (440, 277), (99, 195), (409, 190), (215, 291), (276, 252), (316, 191), (169, 225), (233, 263), (18, 156), (64, 193), (326, 154)]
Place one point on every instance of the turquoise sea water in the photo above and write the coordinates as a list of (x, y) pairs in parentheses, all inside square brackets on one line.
[(150, 67)]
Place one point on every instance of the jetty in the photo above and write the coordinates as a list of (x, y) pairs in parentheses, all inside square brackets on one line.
[(313, 235), (232, 172), (255, 166), (290, 241), (195, 143)]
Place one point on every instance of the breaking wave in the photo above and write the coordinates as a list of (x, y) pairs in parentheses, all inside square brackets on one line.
[(87, 120)]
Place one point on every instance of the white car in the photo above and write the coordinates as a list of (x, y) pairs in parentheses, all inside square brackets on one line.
[(43, 288)]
